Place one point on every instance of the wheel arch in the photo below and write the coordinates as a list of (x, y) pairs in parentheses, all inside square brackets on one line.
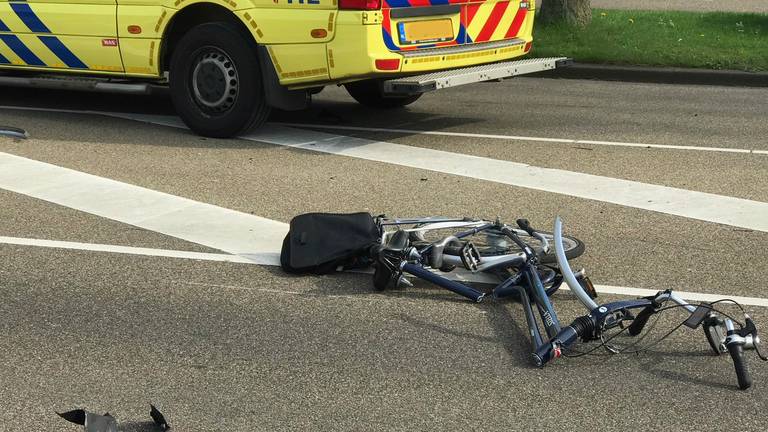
[(205, 12), (191, 16)]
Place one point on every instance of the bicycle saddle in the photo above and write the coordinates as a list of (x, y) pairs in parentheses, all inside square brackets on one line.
[(397, 242)]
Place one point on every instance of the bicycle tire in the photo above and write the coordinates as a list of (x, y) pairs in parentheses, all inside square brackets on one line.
[(574, 247), (493, 243)]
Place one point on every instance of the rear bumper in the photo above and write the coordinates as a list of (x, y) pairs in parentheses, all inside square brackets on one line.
[(456, 77), (462, 55), (353, 52)]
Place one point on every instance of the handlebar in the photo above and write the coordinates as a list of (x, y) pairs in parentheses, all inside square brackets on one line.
[(739, 363), (640, 321), (735, 341), (526, 226), (521, 244)]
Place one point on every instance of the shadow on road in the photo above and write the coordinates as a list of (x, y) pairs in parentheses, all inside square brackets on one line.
[(321, 112)]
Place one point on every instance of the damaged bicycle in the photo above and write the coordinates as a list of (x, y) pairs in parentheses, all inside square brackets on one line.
[(521, 263)]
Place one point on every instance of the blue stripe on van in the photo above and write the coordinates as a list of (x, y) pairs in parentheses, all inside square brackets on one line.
[(30, 19), (68, 57), (21, 50)]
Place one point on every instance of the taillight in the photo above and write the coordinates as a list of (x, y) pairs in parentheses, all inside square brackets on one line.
[(359, 4), (388, 64)]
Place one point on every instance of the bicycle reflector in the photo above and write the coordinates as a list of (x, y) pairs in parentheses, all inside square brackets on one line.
[(528, 46), (360, 4), (588, 286)]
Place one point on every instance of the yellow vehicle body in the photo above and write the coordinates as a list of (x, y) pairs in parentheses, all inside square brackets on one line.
[(310, 43)]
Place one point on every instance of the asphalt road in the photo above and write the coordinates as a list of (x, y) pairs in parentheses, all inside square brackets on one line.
[(242, 347)]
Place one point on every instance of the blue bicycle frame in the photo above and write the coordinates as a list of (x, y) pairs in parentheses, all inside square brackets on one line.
[(527, 285)]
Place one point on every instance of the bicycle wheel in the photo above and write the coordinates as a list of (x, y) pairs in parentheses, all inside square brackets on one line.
[(493, 243)]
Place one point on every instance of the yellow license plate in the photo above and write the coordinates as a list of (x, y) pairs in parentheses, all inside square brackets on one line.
[(420, 32)]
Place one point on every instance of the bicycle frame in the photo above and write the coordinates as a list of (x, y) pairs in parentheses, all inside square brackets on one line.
[(534, 296), (531, 291)]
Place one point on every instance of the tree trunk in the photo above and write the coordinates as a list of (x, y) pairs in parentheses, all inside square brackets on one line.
[(573, 12)]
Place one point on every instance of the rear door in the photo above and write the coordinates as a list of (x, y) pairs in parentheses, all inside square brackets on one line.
[(74, 35), (410, 25)]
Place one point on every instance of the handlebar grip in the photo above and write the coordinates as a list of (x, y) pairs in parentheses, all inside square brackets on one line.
[(740, 364), (640, 321), (525, 226)]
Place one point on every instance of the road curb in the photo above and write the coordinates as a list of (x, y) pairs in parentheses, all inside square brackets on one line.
[(662, 75)]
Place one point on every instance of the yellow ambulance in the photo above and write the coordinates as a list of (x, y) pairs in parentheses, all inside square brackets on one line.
[(228, 62)]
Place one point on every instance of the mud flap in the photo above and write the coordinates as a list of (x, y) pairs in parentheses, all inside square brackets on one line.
[(278, 96)]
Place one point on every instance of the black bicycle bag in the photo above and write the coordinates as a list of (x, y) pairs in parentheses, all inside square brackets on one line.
[(320, 243)]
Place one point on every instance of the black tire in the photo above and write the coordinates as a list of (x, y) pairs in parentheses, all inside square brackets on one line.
[(490, 246), (370, 94), (742, 372), (215, 81), (574, 247)]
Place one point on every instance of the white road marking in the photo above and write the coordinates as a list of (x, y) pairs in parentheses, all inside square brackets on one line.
[(259, 239), (686, 295), (129, 250), (271, 260), (679, 202), (227, 230), (528, 138), (703, 206)]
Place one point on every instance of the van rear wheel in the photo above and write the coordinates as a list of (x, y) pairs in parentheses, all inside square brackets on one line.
[(371, 94), (215, 81)]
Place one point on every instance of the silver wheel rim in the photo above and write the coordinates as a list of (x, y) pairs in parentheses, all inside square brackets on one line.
[(215, 82)]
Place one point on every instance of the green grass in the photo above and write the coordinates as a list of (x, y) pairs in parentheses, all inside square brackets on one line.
[(658, 38)]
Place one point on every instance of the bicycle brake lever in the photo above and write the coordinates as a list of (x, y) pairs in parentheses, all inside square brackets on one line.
[(760, 355), (750, 329)]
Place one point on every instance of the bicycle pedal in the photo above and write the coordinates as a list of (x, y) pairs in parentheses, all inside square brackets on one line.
[(470, 257)]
